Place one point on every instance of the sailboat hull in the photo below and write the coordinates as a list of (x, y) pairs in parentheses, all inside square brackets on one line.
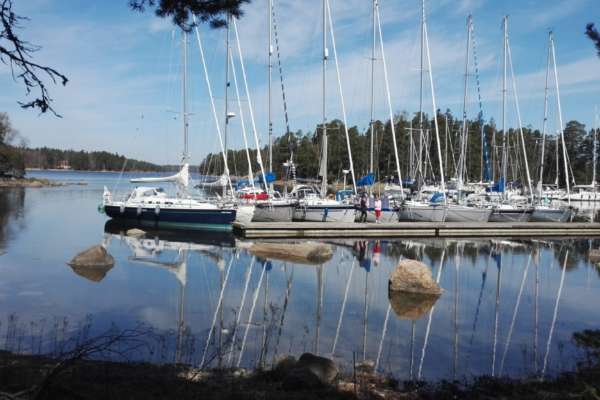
[(174, 217), (422, 213), (341, 213), (457, 213), (269, 212), (547, 214), (511, 215)]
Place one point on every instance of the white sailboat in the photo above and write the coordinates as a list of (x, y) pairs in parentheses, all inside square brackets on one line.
[(507, 211), (314, 204), (546, 212)]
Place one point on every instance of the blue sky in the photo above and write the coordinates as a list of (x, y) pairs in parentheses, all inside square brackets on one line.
[(124, 65)]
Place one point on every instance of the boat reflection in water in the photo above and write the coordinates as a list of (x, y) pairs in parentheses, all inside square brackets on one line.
[(247, 304)]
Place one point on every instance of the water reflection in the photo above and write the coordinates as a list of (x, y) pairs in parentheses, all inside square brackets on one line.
[(509, 307), (12, 201)]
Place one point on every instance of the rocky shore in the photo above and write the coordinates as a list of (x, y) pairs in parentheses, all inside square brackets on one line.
[(32, 183), (310, 376)]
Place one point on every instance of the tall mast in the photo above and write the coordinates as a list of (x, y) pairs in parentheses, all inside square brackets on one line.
[(544, 123), (504, 132), (595, 146), (324, 127), (184, 95), (463, 150), (562, 131), (270, 82), (372, 94), (421, 88), (228, 55)]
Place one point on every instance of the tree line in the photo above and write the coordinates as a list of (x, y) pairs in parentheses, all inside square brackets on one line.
[(306, 151)]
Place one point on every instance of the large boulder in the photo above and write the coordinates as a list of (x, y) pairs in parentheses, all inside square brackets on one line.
[(414, 277), (309, 372), (92, 263), (301, 253), (411, 306)]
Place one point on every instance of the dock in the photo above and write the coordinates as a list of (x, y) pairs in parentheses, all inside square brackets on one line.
[(316, 230)]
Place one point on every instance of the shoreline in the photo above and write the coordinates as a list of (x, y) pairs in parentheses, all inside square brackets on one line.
[(34, 183)]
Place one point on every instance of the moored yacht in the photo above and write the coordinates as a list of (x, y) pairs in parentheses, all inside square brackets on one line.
[(312, 207)]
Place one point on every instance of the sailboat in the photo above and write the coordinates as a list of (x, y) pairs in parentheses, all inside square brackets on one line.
[(546, 212), (507, 211), (314, 204), (151, 205), (464, 212)]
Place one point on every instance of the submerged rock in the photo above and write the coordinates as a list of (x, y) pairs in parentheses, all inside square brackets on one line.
[(414, 277), (594, 255), (302, 253), (412, 306), (136, 233), (92, 263), (309, 372)]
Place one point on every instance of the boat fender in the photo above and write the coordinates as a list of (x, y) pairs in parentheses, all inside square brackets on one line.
[(157, 210), (139, 211), (122, 208)]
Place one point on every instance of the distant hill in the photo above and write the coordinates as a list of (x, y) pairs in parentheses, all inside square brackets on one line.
[(48, 158)]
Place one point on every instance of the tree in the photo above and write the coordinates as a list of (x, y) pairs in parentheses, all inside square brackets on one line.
[(180, 11), (594, 36), (18, 55)]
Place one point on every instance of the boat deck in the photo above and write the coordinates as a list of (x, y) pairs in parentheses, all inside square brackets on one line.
[(290, 230)]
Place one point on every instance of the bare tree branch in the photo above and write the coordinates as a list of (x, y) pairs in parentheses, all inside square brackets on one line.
[(17, 54)]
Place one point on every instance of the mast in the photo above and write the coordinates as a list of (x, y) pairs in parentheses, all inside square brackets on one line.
[(228, 55), (463, 149), (562, 131), (270, 83), (184, 94), (421, 90), (372, 123), (544, 123), (323, 168), (504, 132), (595, 147), (434, 110)]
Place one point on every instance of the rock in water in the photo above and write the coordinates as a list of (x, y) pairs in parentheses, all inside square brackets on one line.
[(414, 277), (322, 367), (594, 255), (412, 306), (93, 263), (302, 253), (136, 233)]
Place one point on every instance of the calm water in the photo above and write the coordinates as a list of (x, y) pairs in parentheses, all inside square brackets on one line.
[(206, 300)]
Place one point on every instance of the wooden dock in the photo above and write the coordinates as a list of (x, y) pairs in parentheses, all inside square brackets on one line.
[(313, 230)]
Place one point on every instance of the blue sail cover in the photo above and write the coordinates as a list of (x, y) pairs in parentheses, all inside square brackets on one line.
[(270, 177), (437, 197), (498, 186), (367, 180)]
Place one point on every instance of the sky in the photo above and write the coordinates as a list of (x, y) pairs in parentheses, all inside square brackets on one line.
[(124, 70)]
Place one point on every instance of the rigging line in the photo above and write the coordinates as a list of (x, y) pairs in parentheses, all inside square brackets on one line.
[(339, 324), (385, 324), (239, 316), (254, 299), (242, 123), (514, 317), (388, 97), (219, 305), (250, 108), (339, 81), (554, 316), (280, 68), (428, 329), (485, 160), (288, 293), (516, 97), (212, 103)]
